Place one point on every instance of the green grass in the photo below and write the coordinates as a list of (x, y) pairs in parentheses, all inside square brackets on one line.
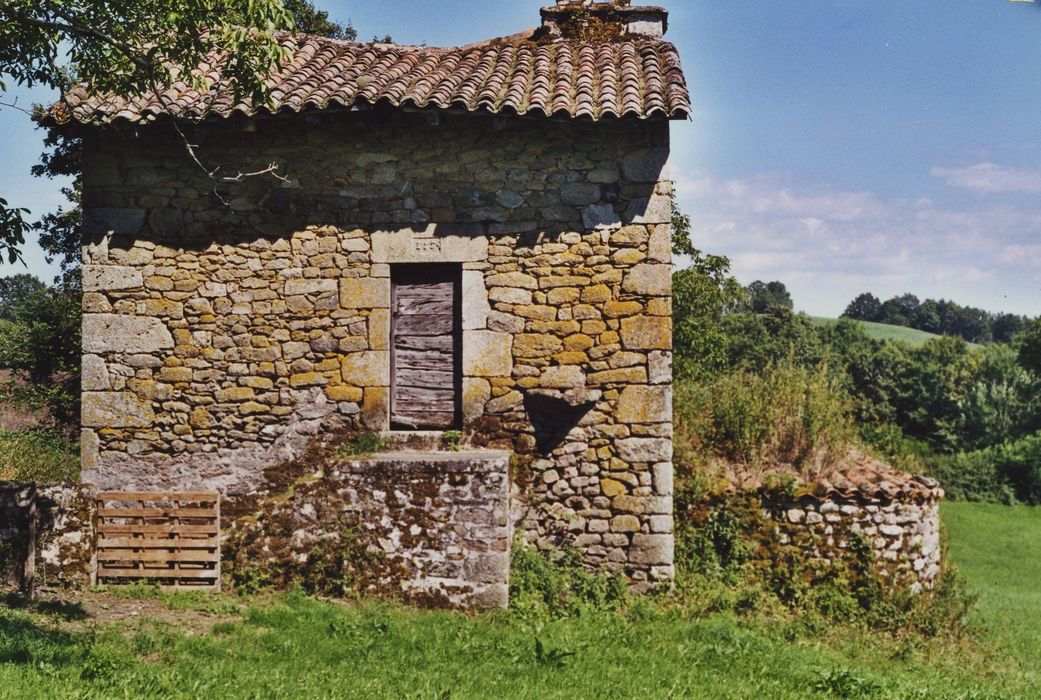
[(883, 331), (295, 646), (998, 549), (39, 455)]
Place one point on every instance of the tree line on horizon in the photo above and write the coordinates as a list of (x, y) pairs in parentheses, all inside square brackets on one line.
[(938, 316)]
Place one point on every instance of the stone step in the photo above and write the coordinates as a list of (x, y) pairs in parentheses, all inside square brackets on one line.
[(414, 440)]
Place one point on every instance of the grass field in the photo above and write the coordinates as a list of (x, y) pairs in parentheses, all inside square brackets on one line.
[(998, 549), (293, 646), (882, 331)]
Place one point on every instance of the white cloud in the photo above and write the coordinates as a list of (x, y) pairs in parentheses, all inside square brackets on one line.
[(829, 244), (990, 177)]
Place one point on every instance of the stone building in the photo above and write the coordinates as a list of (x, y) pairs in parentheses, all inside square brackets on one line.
[(473, 239)]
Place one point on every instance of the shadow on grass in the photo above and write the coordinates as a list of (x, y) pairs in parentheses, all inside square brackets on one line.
[(23, 641), (61, 609)]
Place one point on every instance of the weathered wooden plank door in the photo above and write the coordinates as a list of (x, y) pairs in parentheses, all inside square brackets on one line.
[(426, 340)]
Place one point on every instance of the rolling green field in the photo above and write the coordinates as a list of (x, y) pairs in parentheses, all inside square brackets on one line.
[(292, 646), (882, 331)]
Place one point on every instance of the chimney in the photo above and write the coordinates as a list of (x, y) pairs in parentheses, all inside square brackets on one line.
[(587, 20)]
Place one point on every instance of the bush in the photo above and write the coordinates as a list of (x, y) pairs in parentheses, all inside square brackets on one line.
[(540, 586), (787, 419), (1003, 474)]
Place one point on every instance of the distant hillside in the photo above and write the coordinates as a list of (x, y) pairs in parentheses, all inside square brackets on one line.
[(883, 331)]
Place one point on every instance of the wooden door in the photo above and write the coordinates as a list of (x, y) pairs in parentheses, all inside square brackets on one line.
[(426, 343)]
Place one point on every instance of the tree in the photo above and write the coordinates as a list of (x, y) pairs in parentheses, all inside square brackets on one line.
[(763, 297), (131, 47), (702, 294), (1029, 347), (40, 342), (1004, 327), (311, 20), (866, 307), (15, 291), (927, 317)]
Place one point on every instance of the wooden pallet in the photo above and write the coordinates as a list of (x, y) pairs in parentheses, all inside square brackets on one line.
[(172, 539)]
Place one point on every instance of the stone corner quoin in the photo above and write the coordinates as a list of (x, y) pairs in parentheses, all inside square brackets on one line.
[(219, 340)]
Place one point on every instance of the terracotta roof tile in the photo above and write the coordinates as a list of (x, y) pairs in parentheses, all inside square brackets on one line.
[(640, 77)]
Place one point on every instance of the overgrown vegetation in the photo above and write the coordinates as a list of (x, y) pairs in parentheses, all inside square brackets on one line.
[(41, 455), (970, 416), (725, 647), (788, 419), (730, 559), (361, 445)]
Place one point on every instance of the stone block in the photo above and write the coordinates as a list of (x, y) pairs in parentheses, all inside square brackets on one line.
[(115, 409), (487, 567), (663, 481), (366, 369), (509, 295), (567, 377), (94, 374), (648, 165), (580, 193), (409, 246), (504, 403), (618, 309), (120, 221), (660, 246), (659, 367), (110, 278), (487, 354), (476, 307), (656, 209), (647, 333), (365, 293), (104, 333), (375, 408), (600, 216), (344, 393), (295, 287), (519, 280), (625, 523), (89, 453), (652, 550), (649, 279), (645, 404), (476, 394), (533, 345), (638, 449)]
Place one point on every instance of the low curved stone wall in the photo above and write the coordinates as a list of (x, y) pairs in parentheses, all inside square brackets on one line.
[(902, 530)]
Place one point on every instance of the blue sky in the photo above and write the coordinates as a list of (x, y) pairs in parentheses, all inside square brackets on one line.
[(837, 145)]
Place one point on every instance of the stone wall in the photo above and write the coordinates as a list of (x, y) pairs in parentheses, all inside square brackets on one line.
[(433, 528), (219, 338), (904, 535), (64, 533)]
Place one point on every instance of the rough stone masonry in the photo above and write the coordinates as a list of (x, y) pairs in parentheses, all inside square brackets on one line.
[(218, 339)]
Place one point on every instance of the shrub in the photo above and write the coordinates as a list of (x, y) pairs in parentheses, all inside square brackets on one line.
[(789, 418), (362, 444), (1002, 474), (540, 586)]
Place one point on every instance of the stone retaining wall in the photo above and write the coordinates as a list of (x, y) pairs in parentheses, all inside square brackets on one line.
[(904, 535), (433, 528), (64, 533)]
